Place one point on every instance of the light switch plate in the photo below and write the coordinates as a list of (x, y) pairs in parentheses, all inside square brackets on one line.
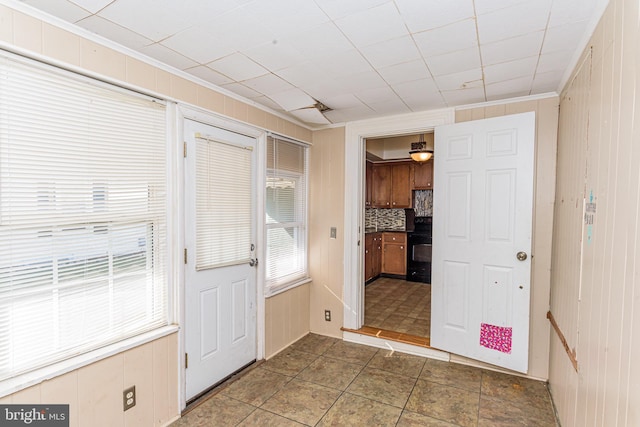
[(334, 232)]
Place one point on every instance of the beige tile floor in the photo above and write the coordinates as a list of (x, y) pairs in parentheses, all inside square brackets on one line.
[(322, 381), (398, 305)]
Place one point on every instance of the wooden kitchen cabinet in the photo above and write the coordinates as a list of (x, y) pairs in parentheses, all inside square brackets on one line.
[(394, 253), (369, 185), (372, 255), (423, 175), (391, 185)]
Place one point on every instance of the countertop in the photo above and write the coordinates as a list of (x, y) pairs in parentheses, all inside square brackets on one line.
[(373, 230)]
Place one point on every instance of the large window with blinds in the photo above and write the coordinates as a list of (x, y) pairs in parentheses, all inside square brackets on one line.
[(286, 214), (82, 215)]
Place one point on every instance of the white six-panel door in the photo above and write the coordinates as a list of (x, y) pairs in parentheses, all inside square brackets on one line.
[(220, 280), (483, 197)]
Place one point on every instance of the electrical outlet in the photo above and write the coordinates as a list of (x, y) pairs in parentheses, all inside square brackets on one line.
[(327, 315), (129, 398)]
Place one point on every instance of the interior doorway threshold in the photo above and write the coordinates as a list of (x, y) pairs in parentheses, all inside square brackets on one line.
[(394, 341)]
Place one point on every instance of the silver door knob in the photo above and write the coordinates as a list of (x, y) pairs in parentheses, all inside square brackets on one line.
[(521, 256)]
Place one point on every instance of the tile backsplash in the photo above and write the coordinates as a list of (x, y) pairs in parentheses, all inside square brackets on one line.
[(385, 219), (423, 202)]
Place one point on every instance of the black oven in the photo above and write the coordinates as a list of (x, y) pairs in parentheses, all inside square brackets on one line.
[(419, 250)]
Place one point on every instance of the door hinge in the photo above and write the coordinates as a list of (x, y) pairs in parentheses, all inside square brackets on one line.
[(186, 360), (184, 153), (185, 255)]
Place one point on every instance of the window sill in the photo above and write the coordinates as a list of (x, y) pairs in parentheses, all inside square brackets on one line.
[(15, 384), (270, 292)]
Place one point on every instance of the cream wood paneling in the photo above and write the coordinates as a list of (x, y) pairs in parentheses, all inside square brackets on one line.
[(94, 392), (287, 318), (326, 210), (600, 126), (544, 188)]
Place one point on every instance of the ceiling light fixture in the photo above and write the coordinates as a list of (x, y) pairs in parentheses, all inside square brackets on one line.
[(419, 151)]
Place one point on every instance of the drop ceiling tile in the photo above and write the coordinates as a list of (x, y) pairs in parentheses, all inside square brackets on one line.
[(336, 9), (464, 96), (362, 81), (168, 56), (114, 32), (275, 55), (509, 70), (425, 15), (304, 74), (287, 17), (554, 61), (197, 44), (406, 72), (384, 19), (342, 101), (159, 19), (344, 63), (321, 40), (239, 29), (391, 52), (390, 107), (564, 37), (377, 95), (63, 9), (485, 6), (512, 48), (455, 62), (92, 6), (292, 99), (457, 81), (458, 36), (546, 82), (420, 94), (268, 84), (568, 11), (268, 102), (242, 90), (350, 114), (512, 21), (509, 89), (238, 67), (212, 76), (310, 115)]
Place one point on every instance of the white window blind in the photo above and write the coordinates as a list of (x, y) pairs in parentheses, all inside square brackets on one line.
[(223, 203), (82, 215), (286, 213)]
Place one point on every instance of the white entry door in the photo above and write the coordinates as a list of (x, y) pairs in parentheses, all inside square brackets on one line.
[(481, 265), (220, 278)]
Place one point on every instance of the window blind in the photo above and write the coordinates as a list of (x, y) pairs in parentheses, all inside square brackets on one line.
[(223, 203), (286, 212), (82, 215)]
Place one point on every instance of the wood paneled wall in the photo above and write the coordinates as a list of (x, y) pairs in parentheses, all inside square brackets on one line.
[(595, 283)]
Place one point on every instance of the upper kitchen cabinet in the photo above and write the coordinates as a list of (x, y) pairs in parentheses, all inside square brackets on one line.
[(423, 175), (391, 185), (369, 185)]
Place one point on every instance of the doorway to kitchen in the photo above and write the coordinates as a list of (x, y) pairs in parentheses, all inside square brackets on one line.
[(398, 210)]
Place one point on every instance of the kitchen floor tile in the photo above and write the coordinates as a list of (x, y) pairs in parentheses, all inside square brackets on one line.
[(218, 410), (289, 362), (446, 403), (452, 374), (330, 372), (382, 386), (351, 352), (399, 363), (313, 343), (262, 418), (413, 419), (351, 410), (256, 386), (302, 401)]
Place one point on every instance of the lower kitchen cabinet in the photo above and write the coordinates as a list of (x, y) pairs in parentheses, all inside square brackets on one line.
[(372, 255), (394, 253)]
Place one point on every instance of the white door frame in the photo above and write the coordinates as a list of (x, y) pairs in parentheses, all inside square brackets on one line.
[(192, 113), (355, 134)]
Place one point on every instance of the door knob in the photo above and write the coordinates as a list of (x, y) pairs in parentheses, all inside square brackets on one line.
[(521, 256), (253, 262)]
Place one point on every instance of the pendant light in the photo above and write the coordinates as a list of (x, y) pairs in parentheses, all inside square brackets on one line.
[(419, 151)]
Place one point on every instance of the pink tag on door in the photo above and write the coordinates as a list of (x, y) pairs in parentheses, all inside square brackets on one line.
[(495, 337)]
